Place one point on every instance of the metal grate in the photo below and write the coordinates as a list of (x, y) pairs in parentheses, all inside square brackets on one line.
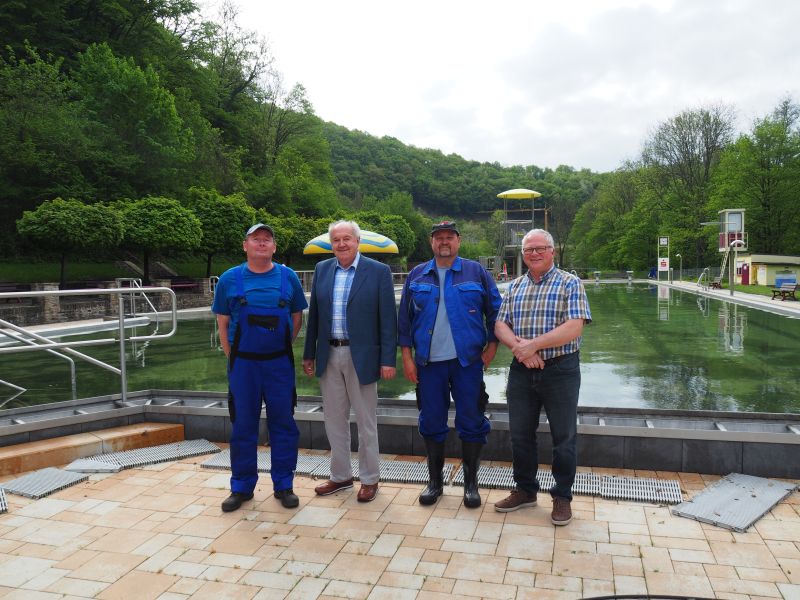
[(306, 464), (736, 501), (664, 491), (157, 454), (323, 471), (43, 483), (90, 465), (400, 471), (3, 503)]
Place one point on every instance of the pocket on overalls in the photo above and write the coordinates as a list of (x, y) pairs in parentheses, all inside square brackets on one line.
[(231, 406)]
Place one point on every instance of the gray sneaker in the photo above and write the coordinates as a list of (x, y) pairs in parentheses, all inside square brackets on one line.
[(516, 500)]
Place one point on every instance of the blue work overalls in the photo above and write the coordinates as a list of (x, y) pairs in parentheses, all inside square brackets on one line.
[(261, 370)]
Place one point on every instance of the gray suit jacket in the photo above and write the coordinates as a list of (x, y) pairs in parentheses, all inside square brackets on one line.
[(371, 318)]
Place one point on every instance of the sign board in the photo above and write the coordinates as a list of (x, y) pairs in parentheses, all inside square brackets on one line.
[(663, 264), (663, 241)]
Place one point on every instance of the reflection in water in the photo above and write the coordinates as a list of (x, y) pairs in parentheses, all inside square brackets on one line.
[(697, 358)]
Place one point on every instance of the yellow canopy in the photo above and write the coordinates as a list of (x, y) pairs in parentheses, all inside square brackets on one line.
[(373, 243), (519, 194)]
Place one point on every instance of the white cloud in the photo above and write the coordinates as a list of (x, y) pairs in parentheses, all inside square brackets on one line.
[(578, 83)]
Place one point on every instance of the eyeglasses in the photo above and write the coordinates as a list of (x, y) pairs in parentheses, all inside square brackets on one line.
[(537, 249)]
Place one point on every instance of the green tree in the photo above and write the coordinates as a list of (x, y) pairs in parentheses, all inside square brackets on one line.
[(44, 143), (224, 220), (761, 173), (67, 226), (144, 140), (681, 155), (155, 224)]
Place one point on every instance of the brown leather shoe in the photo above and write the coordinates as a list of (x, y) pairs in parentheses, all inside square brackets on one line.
[(562, 512), (515, 500), (331, 487), (367, 492)]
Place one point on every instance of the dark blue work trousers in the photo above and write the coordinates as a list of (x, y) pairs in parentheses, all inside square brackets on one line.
[(271, 383), (554, 388), (437, 381)]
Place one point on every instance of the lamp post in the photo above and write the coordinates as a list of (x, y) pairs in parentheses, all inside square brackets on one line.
[(735, 245), (680, 269)]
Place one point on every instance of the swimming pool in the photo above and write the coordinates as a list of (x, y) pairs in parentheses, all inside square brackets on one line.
[(646, 348)]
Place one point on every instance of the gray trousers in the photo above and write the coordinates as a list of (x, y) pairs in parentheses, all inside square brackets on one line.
[(341, 390)]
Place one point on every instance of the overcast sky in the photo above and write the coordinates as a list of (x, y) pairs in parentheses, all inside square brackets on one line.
[(573, 82)]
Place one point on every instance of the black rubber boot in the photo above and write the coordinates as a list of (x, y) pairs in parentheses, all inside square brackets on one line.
[(471, 461), (435, 465)]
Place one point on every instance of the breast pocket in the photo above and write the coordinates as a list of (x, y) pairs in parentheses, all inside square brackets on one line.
[(471, 296), (422, 295)]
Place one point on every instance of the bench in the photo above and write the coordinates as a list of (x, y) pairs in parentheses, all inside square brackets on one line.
[(785, 290), (183, 283), (14, 287), (716, 283)]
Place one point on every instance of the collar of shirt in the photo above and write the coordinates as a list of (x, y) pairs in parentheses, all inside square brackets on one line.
[(353, 265), (544, 278), (431, 266)]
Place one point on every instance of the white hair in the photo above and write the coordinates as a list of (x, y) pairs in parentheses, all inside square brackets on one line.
[(351, 224), (546, 234)]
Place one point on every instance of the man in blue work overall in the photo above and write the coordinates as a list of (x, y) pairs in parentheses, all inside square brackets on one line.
[(447, 314), (259, 306)]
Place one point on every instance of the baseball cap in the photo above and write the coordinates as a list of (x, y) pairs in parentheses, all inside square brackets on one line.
[(444, 226), (258, 226)]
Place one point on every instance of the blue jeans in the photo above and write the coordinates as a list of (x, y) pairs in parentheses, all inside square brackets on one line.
[(554, 388)]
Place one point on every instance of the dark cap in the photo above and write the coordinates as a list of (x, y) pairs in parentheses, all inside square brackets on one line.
[(444, 226), (258, 226)]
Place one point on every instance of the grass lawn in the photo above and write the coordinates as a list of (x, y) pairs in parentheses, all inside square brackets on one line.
[(35, 272)]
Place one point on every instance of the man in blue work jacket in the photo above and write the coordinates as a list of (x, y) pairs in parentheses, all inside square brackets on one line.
[(259, 306), (447, 314)]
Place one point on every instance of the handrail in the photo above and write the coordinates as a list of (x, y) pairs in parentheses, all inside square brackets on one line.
[(69, 346), (136, 283), (705, 274), (20, 390), (72, 378)]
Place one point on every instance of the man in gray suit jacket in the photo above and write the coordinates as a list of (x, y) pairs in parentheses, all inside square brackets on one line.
[(352, 337)]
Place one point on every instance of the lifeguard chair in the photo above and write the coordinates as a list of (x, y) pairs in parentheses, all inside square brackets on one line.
[(732, 236), (517, 222)]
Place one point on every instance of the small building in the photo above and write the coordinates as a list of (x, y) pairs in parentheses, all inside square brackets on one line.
[(767, 269)]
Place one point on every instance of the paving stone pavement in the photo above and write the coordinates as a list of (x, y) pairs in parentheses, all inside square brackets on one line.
[(157, 532)]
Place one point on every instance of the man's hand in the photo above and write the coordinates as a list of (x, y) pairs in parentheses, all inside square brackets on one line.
[(388, 372), (534, 362), (308, 366), (525, 349), (488, 354), (410, 370)]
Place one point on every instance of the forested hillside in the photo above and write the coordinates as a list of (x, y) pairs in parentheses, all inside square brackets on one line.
[(144, 108)]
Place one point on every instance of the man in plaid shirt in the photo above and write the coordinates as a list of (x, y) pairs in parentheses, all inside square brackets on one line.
[(541, 320)]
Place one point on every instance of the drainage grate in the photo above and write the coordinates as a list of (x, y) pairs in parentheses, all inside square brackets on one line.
[(157, 454), (3, 503), (735, 502), (642, 489), (306, 464), (401, 471), (323, 471), (502, 478), (42, 483), (90, 465)]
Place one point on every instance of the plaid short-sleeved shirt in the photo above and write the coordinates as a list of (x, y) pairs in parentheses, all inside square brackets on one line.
[(532, 309)]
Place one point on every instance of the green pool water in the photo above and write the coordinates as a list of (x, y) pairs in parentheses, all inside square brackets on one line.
[(645, 348)]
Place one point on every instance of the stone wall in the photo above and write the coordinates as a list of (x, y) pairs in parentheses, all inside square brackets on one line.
[(60, 309)]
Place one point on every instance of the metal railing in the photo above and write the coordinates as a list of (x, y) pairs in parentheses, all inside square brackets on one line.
[(702, 281), (32, 341)]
